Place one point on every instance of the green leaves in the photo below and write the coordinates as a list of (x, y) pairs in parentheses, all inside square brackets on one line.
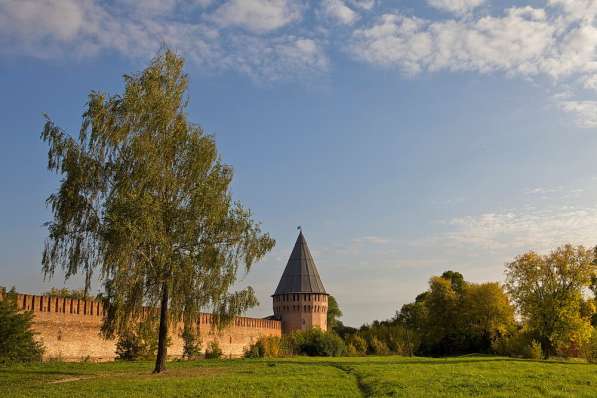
[(455, 316), (334, 313), (17, 343), (145, 200), (548, 292)]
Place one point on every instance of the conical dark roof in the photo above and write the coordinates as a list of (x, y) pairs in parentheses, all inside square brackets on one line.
[(300, 274)]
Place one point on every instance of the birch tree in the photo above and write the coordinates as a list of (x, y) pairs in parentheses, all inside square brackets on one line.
[(145, 202)]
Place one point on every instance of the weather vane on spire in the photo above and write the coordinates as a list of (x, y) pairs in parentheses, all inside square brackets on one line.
[(300, 228)]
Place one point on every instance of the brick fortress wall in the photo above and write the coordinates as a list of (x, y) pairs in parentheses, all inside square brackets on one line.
[(70, 330)]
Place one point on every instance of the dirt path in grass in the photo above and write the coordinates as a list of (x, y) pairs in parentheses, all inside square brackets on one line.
[(70, 379), (174, 373), (363, 388)]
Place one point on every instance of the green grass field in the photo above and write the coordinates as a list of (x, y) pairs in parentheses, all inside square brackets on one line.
[(306, 377)]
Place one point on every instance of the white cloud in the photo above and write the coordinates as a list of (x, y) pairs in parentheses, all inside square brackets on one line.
[(203, 3), (512, 43), (339, 11), (543, 191), (32, 20), (372, 239), (584, 112), (573, 51), (577, 9), (58, 28), (395, 40), (53, 28), (363, 4), (529, 229), (149, 7), (455, 6), (551, 193), (257, 15), (277, 58), (80, 28), (590, 82), (559, 41)]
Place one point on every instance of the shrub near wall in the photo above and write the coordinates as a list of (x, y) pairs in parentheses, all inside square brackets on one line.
[(317, 343), (213, 350), (16, 338), (192, 344), (266, 347), (138, 343), (314, 342)]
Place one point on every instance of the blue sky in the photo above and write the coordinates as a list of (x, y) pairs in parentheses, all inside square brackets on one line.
[(406, 137)]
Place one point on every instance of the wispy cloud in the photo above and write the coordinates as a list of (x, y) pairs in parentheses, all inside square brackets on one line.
[(274, 39), (584, 112), (257, 15), (371, 239), (339, 11), (82, 28), (558, 41), (544, 190), (363, 4), (517, 42), (455, 6), (525, 229)]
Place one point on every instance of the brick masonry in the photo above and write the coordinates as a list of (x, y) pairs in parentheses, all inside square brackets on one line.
[(301, 311), (70, 330)]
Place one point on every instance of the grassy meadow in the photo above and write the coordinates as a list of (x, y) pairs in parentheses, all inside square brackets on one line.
[(306, 377)]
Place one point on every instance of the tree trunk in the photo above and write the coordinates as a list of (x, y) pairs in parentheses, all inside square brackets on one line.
[(160, 363), (87, 283)]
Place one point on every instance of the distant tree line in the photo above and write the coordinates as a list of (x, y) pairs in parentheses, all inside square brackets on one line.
[(547, 307), (67, 293)]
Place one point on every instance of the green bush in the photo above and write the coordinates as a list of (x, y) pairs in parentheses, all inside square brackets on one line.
[(254, 350), (192, 344), (138, 344), (357, 344), (17, 343), (393, 336), (534, 350), (377, 347), (519, 344), (132, 347), (293, 342), (590, 348), (515, 344), (266, 347), (313, 342), (502, 346), (213, 350), (351, 350)]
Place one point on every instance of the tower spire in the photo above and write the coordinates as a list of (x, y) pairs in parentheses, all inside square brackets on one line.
[(300, 300), (300, 274)]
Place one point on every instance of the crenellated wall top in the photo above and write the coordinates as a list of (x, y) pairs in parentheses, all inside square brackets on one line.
[(94, 308)]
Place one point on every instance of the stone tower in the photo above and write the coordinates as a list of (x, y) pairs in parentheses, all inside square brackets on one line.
[(300, 300)]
